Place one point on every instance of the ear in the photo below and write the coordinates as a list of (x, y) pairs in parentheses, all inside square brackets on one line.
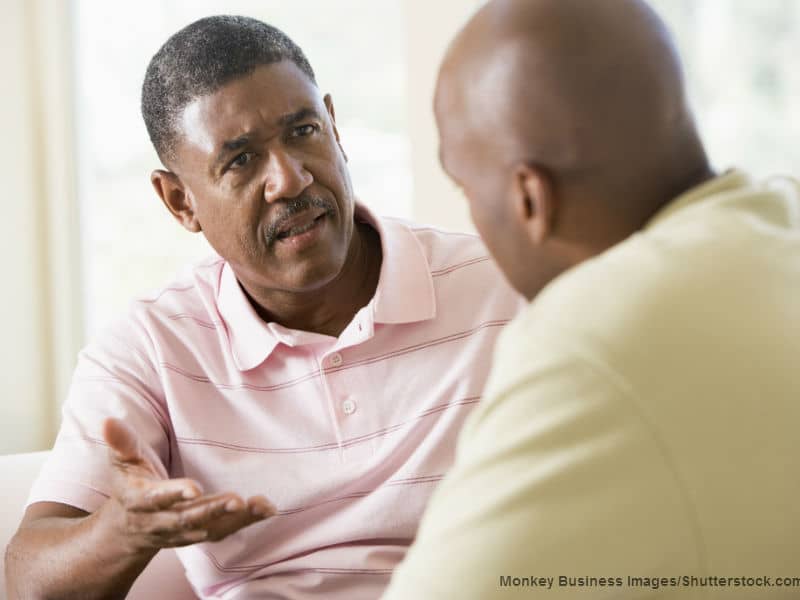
[(170, 189), (534, 201), (329, 105)]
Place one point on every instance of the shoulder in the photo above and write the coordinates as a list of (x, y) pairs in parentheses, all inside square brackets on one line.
[(683, 281), (446, 251), (460, 266), (187, 302), (191, 295), (640, 294)]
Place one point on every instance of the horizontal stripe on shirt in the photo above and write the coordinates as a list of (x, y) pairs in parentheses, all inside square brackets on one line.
[(348, 436)]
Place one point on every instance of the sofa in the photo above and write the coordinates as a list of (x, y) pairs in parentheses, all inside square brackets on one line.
[(164, 576)]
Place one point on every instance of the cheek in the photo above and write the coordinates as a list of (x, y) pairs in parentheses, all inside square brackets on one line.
[(490, 221), (343, 175), (232, 225), (328, 167), (497, 229), (484, 222)]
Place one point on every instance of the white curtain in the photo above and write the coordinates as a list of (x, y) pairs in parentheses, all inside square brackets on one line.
[(40, 303)]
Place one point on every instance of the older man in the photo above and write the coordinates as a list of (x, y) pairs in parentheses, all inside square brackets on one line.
[(282, 411), (639, 434)]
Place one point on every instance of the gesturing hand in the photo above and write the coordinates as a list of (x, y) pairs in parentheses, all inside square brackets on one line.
[(153, 512)]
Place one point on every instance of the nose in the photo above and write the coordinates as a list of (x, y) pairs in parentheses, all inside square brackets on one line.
[(286, 177)]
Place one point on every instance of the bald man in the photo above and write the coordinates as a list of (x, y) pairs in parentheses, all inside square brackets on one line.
[(638, 436)]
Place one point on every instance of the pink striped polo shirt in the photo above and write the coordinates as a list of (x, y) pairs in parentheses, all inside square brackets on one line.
[(347, 436)]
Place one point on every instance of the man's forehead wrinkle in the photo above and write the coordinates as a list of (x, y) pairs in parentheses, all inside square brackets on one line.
[(240, 130), (258, 105), (235, 144)]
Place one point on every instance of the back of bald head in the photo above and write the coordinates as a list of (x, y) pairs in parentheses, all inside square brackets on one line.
[(590, 90)]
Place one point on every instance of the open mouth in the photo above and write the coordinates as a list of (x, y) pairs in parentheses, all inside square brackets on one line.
[(299, 225)]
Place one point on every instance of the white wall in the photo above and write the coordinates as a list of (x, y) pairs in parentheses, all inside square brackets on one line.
[(430, 27)]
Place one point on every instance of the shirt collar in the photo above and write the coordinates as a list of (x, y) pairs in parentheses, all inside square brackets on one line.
[(405, 294)]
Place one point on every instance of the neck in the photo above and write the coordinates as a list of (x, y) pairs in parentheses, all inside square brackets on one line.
[(672, 188), (623, 211), (330, 309), (683, 165)]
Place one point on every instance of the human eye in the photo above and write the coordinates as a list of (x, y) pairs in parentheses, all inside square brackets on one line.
[(304, 130), (241, 160)]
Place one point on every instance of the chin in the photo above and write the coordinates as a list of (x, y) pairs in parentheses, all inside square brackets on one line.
[(313, 278)]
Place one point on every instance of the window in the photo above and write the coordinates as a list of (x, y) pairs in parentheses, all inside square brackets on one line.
[(740, 60)]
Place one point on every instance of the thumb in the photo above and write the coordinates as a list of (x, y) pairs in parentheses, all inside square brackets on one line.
[(126, 446), (122, 440)]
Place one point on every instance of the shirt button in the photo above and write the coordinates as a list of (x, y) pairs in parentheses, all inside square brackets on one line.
[(336, 359), (349, 407)]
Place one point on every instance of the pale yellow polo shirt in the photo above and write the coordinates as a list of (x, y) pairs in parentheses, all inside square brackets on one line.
[(642, 421)]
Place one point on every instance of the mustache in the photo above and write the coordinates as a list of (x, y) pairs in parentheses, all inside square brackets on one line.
[(292, 207)]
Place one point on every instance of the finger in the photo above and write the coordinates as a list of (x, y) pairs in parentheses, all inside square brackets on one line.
[(216, 530), (164, 537), (224, 526), (185, 538), (149, 496), (209, 519), (163, 527), (122, 441), (155, 527), (257, 506), (185, 505), (203, 514), (261, 507), (129, 453)]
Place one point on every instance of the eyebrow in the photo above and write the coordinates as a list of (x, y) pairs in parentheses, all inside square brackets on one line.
[(300, 115), (229, 146)]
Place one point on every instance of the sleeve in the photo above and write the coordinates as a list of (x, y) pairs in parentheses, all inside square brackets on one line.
[(560, 489), (114, 377)]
